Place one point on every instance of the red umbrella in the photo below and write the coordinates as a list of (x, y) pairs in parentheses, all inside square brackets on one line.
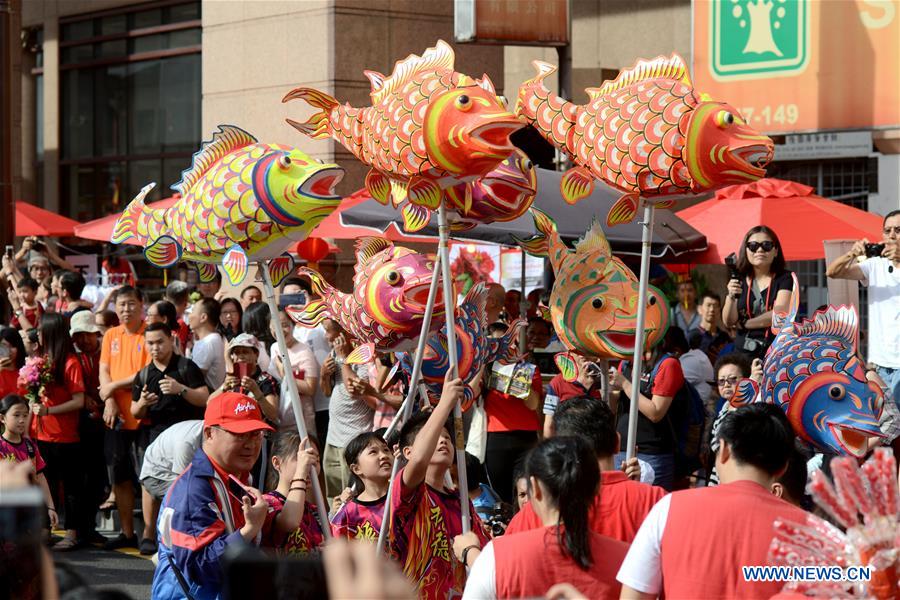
[(101, 229), (332, 227), (801, 220), (33, 220)]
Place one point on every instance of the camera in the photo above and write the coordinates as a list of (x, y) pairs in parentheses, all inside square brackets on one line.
[(731, 263), (873, 250), (499, 518), (38, 246)]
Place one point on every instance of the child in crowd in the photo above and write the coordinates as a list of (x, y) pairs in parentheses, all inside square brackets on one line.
[(520, 495), (370, 462), (292, 527), (425, 516), (27, 309), (15, 447)]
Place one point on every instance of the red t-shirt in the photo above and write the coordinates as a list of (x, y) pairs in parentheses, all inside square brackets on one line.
[(183, 334), (566, 390), (530, 563), (508, 413), (60, 428), (32, 314), (9, 382), (618, 511)]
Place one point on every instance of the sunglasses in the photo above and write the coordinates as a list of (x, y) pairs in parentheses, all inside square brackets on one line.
[(888, 230), (767, 246), (728, 380)]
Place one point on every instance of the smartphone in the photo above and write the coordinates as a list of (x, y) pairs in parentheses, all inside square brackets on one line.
[(238, 490), (241, 370), (9, 252), (299, 300), (22, 516)]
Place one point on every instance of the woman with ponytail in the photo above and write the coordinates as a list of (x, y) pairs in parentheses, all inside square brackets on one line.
[(563, 480)]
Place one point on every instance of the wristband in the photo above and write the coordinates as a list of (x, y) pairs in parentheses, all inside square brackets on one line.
[(465, 554), (297, 489)]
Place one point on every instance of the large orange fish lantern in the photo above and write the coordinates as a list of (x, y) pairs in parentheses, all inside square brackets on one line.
[(429, 128), (647, 133)]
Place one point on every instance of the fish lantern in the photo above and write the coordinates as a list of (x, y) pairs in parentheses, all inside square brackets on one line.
[(594, 300), (429, 128), (242, 201), (813, 373), (386, 308), (474, 348), (312, 250), (647, 133)]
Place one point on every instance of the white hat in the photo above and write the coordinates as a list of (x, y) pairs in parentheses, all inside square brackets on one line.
[(83, 322), (244, 340)]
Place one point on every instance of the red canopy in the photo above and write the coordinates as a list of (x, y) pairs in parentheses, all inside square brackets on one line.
[(331, 226), (801, 220), (101, 229), (33, 220)]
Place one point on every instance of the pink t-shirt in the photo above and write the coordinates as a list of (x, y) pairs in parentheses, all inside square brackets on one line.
[(27, 449)]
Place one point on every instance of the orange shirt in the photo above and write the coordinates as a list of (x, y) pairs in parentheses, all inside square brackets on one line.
[(125, 354)]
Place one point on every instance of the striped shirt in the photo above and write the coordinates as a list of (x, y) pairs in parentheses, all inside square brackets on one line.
[(348, 416)]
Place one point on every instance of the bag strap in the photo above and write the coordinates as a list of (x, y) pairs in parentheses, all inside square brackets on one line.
[(29, 447)]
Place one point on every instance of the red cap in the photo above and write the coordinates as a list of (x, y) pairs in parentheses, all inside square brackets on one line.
[(234, 412)]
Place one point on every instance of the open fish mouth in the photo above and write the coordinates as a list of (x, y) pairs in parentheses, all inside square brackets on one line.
[(322, 183), (755, 156), (853, 441), (494, 135), (506, 188), (415, 294), (621, 341)]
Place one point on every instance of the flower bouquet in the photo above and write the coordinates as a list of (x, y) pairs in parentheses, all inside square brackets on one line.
[(34, 377)]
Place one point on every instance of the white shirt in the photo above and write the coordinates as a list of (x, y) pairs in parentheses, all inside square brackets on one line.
[(698, 371), (642, 568), (301, 358), (171, 453), (481, 584), (315, 339), (209, 355), (884, 311)]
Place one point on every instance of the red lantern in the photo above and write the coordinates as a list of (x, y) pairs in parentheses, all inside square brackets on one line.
[(312, 250)]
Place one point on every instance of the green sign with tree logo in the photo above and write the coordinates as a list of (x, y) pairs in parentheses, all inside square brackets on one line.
[(759, 38)]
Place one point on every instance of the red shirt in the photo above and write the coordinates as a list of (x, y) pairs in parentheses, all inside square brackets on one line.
[(530, 563), (32, 314), (60, 428), (618, 511), (508, 413), (717, 530), (183, 334), (9, 382), (566, 390)]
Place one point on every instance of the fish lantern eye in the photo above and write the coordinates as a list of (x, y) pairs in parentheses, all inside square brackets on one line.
[(597, 303), (463, 102), (836, 392), (392, 277), (652, 301), (284, 161), (527, 164), (724, 119)]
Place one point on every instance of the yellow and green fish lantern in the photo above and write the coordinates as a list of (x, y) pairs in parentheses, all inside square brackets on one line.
[(428, 129), (593, 303), (647, 133), (241, 201)]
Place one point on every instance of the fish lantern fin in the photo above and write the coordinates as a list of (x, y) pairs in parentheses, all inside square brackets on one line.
[(424, 192), (624, 210), (594, 241), (280, 268), (660, 67), (393, 376), (438, 58), (835, 322), (477, 297), (415, 217), (235, 264), (376, 79), (780, 320), (567, 366), (361, 355), (227, 138), (318, 126), (593, 93), (539, 244), (320, 287), (163, 252), (207, 272), (309, 315), (510, 342), (745, 393), (543, 70), (127, 224), (367, 247), (486, 84), (459, 226), (544, 311), (468, 398), (399, 192), (576, 184), (379, 186), (664, 204)]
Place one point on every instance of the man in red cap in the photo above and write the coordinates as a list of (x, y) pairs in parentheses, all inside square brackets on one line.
[(202, 514)]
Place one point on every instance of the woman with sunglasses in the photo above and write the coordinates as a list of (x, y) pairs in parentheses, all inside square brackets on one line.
[(762, 285)]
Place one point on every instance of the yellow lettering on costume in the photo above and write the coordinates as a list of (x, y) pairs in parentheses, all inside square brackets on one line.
[(366, 532), (296, 543), (440, 548)]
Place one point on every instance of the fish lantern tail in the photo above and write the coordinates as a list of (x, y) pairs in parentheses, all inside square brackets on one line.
[(539, 244), (127, 225), (318, 126)]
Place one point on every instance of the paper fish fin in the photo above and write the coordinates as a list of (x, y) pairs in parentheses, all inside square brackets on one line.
[(544, 311), (424, 192), (486, 84), (440, 57), (567, 366), (225, 139), (459, 226), (163, 252), (415, 217), (660, 67), (127, 224), (318, 126), (235, 264), (543, 70), (839, 322), (376, 79), (379, 186), (320, 287), (468, 398), (780, 320), (664, 204), (280, 268), (576, 184), (594, 240), (206, 272), (510, 346), (361, 355), (539, 243), (624, 210), (399, 192), (745, 393), (367, 247), (476, 299), (309, 315)]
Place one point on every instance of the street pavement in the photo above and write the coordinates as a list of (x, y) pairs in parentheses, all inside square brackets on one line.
[(122, 570)]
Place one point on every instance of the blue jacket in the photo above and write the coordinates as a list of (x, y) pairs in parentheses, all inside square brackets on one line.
[(195, 526)]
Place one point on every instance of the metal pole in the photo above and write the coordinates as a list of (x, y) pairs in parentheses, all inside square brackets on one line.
[(293, 394), (523, 308), (406, 408), (604, 380), (453, 372), (640, 332)]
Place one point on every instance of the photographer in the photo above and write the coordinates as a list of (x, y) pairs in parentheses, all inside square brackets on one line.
[(879, 272), (759, 285), (37, 246)]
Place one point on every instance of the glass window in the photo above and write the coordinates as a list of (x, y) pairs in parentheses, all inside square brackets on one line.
[(146, 18), (145, 108), (187, 37), (182, 12), (149, 43), (113, 24), (180, 111), (78, 30), (77, 99), (39, 117), (112, 48), (112, 110), (142, 172), (75, 54)]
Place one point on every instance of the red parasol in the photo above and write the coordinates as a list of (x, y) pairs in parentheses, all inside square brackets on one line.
[(33, 220), (801, 220), (332, 227)]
